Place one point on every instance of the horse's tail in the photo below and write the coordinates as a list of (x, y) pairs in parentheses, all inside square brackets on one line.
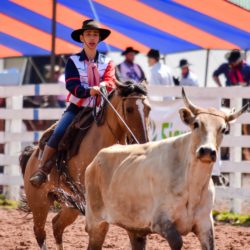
[(25, 155)]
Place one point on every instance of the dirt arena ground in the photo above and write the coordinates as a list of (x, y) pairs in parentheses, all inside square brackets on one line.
[(16, 233)]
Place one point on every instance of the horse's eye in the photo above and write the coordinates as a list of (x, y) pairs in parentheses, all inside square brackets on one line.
[(225, 130), (196, 125), (130, 110)]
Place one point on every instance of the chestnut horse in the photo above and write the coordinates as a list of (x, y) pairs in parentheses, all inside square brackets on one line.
[(131, 102)]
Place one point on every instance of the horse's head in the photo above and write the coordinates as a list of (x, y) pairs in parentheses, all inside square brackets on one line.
[(131, 102)]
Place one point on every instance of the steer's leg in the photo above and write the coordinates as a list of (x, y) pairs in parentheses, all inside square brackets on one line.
[(97, 234), (163, 226), (138, 241), (205, 233)]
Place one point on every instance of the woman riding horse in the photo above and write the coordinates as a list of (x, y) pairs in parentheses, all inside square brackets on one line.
[(85, 72)]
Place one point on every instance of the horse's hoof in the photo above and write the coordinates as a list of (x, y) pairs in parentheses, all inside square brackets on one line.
[(59, 246)]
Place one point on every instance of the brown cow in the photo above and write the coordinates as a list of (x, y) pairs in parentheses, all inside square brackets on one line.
[(160, 187)]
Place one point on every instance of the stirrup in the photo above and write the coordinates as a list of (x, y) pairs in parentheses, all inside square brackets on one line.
[(38, 179)]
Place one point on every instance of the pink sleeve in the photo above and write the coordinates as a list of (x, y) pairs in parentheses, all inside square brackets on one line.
[(109, 76)]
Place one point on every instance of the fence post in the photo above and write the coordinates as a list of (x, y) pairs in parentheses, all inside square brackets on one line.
[(235, 156), (13, 148)]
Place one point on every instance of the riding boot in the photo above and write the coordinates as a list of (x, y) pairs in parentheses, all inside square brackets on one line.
[(44, 168)]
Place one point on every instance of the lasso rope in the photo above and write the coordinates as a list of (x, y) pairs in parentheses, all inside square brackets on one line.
[(119, 116)]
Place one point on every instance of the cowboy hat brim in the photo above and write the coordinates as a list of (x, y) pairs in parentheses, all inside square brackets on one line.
[(184, 65), (134, 51), (228, 55), (104, 33)]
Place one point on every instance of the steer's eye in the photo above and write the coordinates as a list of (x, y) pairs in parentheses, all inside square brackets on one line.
[(196, 125), (130, 110)]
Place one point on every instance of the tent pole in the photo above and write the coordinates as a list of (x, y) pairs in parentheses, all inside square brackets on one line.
[(36, 69), (53, 43), (245, 52), (206, 69)]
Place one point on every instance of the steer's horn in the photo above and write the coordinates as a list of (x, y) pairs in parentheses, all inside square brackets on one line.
[(188, 103), (236, 114)]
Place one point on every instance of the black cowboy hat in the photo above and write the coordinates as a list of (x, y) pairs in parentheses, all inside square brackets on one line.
[(234, 56), (90, 24), (128, 50), (153, 53), (183, 63)]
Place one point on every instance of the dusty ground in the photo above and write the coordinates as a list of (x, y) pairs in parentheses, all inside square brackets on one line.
[(16, 233)]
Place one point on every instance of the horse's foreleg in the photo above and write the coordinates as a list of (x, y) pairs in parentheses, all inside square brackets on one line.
[(39, 219), (63, 219)]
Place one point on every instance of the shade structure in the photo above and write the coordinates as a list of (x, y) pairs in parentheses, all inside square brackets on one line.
[(168, 25)]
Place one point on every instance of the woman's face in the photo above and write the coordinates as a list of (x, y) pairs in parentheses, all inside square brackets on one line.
[(90, 38)]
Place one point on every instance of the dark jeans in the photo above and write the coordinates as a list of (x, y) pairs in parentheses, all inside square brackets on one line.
[(61, 127)]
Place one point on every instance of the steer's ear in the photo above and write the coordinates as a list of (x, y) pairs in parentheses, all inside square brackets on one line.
[(186, 116)]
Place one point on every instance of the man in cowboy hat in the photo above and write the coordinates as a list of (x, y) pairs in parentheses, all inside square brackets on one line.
[(128, 70), (85, 72), (160, 73), (188, 78), (236, 71)]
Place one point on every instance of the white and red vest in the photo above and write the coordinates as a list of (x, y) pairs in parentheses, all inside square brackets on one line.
[(102, 63)]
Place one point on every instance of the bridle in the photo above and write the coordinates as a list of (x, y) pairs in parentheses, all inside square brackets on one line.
[(223, 117), (208, 113), (119, 116), (137, 97)]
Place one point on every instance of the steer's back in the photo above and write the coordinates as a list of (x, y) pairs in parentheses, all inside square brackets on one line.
[(115, 168), (125, 182)]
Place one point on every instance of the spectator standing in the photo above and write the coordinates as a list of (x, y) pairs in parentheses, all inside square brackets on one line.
[(188, 78), (236, 71), (160, 73), (128, 70)]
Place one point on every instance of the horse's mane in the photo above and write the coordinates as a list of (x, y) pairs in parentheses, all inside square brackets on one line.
[(129, 87)]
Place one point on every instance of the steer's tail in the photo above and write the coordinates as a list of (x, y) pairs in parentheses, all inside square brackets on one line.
[(25, 155)]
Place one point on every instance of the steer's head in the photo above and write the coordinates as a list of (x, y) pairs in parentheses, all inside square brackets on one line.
[(208, 127)]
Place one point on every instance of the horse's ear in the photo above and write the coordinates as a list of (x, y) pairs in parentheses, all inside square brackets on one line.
[(120, 84), (144, 83)]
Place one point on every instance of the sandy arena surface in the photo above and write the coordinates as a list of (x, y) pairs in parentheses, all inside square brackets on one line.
[(16, 233)]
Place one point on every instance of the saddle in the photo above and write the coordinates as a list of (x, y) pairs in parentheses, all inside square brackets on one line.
[(70, 143), (74, 134)]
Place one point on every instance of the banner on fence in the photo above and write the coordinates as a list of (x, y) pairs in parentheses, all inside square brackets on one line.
[(166, 122)]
